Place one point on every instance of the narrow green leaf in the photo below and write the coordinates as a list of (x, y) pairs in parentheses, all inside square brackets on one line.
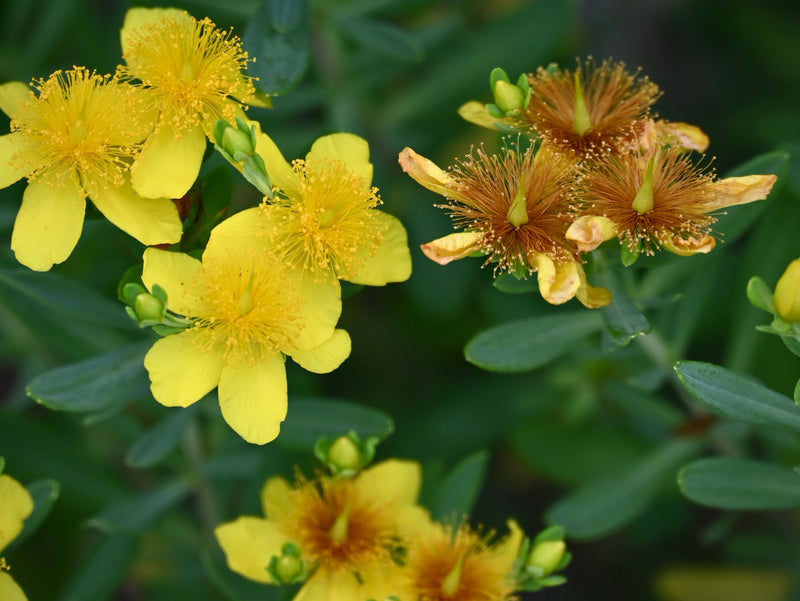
[(44, 494), (95, 384), (522, 345), (139, 512), (624, 321), (310, 419), (603, 506), (796, 397), (278, 37), (155, 444), (384, 39), (102, 571), (459, 489), (729, 483), (733, 396)]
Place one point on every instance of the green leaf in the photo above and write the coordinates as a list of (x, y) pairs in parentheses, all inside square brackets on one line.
[(603, 506), (737, 484), (309, 419), (101, 573), (139, 512), (796, 397), (155, 444), (623, 319), (44, 494), (457, 492), (505, 282), (2, 464), (95, 384), (278, 37), (759, 295), (522, 345), (733, 396), (384, 39)]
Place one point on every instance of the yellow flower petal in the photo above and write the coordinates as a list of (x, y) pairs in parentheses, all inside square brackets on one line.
[(16, 504), (787, 293), (137, 17), (181, 370), (243, 230), (452, 247), (591, 297), (175, 273), (249, 543), (253, 399), (740, 190), (475, 112), (685, 135), (9, 590), (590, 231), (10, 173), (274, 499), (352, 150), (279, 170), (558, 283), (169, 162), (327, 586), (321, 308), (686, 247), (395, 480), (11, 94), (327, 356), (48, 224), (149, 220), (424, 171), (392, 261), (508, 548)]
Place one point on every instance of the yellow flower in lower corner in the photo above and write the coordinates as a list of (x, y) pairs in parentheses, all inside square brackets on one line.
[(447, 564), (324, 215), (75, 139), (16, 505), (248, 312), (347, 530)]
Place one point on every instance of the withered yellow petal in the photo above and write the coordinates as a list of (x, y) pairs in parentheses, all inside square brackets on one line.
[(452, 247)]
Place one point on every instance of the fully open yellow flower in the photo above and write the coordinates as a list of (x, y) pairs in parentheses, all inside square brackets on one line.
[(447, 564), (323, 217), (16, 504), (514, 208), (248, 311), (347, 531), (76, 139), (193, 75)]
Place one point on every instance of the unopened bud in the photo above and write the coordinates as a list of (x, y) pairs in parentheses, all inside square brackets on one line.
[(149, 309), (344, 454), (289, 567), (508, 97), (546, 557), (236, 142), (787, 293)]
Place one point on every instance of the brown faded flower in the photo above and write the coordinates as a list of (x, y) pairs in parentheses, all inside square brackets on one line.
[(591, 111), (656, 199), (514, 208)]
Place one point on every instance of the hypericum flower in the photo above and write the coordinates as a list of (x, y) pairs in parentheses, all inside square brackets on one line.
[(347, 530), (323, 216), (16, 504), (787, 293), (76, 139), (248, 311), (514, 208), (656, 199), (193, 74), (591, 111), (448, 564)]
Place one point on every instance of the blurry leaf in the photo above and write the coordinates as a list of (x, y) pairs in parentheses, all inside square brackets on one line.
[(623, 319), (733, 396), (528, 343), (75, 321), (101, 573), (797, 393), (310, 419), (277, 36), (137, 513), (723, 583), (95, 384), (2, 464), (505, 282), (384, 39), (729, 483), (155, 444), (44, 494), (457, 492), (603, 506)]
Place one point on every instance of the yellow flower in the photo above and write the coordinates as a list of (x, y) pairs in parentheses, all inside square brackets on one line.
[(16, 504), (193, 75), (515, 209), (323, 217), (787, 293), (347, 530), (248, 311), (76, 139), (656, 199), (447, 565), (591, 111)]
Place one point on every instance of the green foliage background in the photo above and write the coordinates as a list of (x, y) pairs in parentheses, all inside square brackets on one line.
[(395, 72)]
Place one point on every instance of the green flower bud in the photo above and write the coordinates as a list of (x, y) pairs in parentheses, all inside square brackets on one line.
[(508, 97), (289, 567), (787, 293), (344, 454), (546, 557), (149, 309), (236, 142)]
